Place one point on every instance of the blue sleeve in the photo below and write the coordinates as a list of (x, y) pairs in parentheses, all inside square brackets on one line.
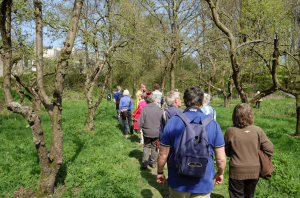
[(165, 137), (131, 104), (121, 104), (219, 139), (115, 96)]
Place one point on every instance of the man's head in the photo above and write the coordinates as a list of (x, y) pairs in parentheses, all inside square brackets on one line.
[(142, 87), (258, 92), (176, 90), (206, 98), (118, 88), (126, 92), (173, 98), (152, 99), (193, 96), (242, 115), (156, 86)]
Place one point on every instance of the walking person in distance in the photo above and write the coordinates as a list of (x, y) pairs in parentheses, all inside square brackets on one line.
[(125, 107)]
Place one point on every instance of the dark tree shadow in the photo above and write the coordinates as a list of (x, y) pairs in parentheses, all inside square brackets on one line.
[(121, 127), (213, 195), (134, 138), (146, 193), (62, 174), (151, 178)]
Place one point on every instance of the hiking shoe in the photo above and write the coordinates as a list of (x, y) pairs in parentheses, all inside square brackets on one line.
[(152, 165), (144, 167)]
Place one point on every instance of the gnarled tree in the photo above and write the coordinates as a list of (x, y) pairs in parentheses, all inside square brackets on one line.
[(52, 158)]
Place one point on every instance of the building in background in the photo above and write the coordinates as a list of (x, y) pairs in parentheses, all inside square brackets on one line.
[(77, 62)]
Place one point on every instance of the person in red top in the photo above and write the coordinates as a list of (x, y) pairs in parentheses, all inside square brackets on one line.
[(136, 115)]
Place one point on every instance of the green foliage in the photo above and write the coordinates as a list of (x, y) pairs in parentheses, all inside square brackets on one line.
[(265, 18)]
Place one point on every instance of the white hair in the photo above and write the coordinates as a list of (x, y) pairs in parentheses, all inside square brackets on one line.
[(171, 96), (118, 88), (207, 98), (126, 92), (151, 98)]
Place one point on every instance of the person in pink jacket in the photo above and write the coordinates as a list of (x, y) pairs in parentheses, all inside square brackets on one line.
[(136, 114)]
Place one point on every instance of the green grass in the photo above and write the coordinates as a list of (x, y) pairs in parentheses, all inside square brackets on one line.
[(105, 164)]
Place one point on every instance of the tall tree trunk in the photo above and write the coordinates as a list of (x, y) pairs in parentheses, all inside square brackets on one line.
[(55, 156), (232, 53), (37, 104), (90, 123), (209, 85), (298, 115), (172, 74), (111, 81), (110, 32), (166, 71)]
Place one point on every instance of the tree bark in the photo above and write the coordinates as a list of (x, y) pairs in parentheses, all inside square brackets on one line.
[(55, 156), (172, 75), (166, 72), (273, 71), (232, 51), (298, 114), (91, 82), (90, 123), (27, 112)]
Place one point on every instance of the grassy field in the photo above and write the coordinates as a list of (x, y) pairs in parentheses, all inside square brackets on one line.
[(105, 164)]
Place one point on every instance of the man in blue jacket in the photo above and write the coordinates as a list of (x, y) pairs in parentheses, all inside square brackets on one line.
[(115, 100), (174, 102), (125, 107), (186, 186)]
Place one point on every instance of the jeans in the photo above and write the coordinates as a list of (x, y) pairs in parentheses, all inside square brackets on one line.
[(257, 104), (119, 118), (129, 124), (149, 143)]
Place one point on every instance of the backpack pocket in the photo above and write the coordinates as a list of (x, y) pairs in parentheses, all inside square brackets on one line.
[(193, 166)]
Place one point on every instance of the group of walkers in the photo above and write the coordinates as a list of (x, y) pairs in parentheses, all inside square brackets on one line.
[(176, 134)]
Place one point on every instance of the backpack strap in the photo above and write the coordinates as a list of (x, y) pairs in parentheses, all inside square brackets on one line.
[(184, 118), (207, 120)]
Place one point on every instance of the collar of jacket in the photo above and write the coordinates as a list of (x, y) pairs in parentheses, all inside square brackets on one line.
[(193, 109), (152, 105)]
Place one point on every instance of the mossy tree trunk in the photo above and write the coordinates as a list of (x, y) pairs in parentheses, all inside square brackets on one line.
[(91, 81), (273, 70), (298, 114), (51, 159), (90, 123), (166, 71)]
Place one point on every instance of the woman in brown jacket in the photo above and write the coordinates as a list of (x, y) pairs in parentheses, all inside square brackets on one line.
[(242, 143)]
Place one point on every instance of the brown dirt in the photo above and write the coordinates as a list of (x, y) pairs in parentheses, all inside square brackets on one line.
[(23, 193)]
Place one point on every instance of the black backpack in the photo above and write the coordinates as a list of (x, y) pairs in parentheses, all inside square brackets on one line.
[(118, 101), (191, 154)]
